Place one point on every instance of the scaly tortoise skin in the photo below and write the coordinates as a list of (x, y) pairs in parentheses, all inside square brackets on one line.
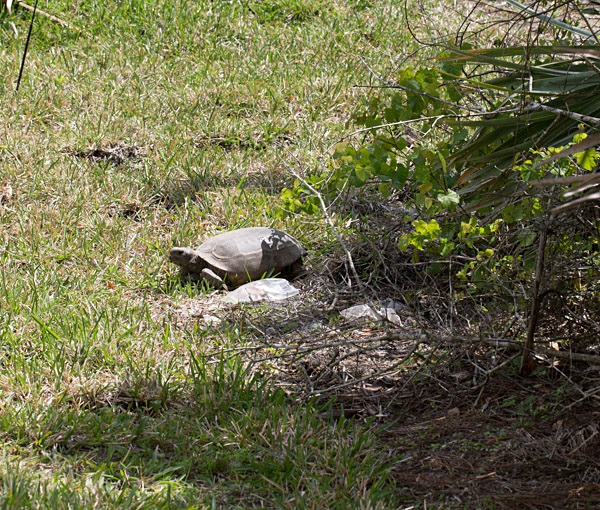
[(236, 257)]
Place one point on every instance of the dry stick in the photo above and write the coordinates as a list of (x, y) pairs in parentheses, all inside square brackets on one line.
[(585, 394), (571, 115), (487, 374), (26, 47), (300, 349), (49, 16), (360, 283), (571, 356), (527, 359), (513, 344), (365, 378), (499, 342), (34, 11), (294, 350)]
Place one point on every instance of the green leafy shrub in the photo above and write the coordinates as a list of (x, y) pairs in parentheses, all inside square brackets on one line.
[(465, 140)]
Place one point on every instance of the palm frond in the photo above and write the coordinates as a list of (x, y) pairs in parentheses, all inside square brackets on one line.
[(542, 96)]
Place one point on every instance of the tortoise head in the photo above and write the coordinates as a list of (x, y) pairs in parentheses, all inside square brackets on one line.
[(187, 258)]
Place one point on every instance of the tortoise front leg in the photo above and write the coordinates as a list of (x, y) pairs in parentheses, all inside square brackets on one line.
[(213, 279)]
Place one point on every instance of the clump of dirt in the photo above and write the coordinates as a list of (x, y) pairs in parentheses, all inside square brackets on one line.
[(116, 154)]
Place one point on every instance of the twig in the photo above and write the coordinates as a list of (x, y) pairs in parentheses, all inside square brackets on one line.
[(574, 203), (486, 374), (584, 395), (527, 361), (421, 338), (383, 371), (360, 283), (571, 356), (557, 111), (293, 350), (26, 47), (47, 15)]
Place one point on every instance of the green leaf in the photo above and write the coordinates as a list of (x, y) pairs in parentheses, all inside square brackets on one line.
[(447, 247), (400, 175), (384, 189), (429, 230), (362, 173), (450, 199), (587, 159)]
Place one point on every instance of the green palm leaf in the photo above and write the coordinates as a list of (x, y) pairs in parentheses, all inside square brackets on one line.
[(541, 96)]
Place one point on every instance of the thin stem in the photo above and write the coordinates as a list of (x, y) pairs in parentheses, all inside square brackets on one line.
[(26, 46)]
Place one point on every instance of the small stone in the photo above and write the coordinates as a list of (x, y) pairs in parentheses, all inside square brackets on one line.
[(269, 289), (212, 320), (388, 312)]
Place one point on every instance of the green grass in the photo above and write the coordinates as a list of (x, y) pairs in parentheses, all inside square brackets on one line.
[(106, 401), (212, 436)]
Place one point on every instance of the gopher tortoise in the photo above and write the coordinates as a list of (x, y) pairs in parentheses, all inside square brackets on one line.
[(239, 256)]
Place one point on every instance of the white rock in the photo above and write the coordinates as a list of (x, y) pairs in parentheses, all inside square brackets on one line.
[(211, 320), (388, 312), (269, 289), (361, 312)]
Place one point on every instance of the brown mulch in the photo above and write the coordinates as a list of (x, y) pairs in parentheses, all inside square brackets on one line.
[(514, 443)]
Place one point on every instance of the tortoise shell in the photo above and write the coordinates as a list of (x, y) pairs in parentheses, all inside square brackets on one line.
[(242, 255)]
